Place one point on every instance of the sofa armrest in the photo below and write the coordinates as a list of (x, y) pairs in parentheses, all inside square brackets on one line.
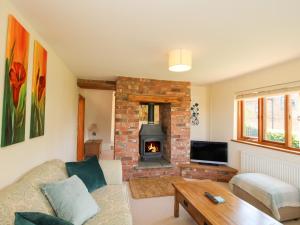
[(112, 170)]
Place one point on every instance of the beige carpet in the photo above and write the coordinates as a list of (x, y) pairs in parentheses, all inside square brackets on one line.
[(159, 211), (153, 187)]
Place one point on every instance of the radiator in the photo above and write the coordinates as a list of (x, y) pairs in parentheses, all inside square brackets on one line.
[(275, 167)]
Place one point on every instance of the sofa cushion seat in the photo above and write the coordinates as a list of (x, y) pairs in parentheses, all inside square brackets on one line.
[(25, 194), (113, 200)]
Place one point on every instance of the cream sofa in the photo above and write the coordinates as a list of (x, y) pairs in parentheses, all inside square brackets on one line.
[(25, 194)]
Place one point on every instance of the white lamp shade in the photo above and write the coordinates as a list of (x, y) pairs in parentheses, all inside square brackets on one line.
[(180, 60)]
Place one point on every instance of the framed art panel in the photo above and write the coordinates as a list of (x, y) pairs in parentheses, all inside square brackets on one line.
[(14, 100), (38, 91)]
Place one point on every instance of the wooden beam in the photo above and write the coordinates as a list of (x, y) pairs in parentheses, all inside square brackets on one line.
[(96, 84), (154, 99)]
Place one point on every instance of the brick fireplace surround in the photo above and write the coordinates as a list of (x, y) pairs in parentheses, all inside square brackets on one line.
[(174, 118)]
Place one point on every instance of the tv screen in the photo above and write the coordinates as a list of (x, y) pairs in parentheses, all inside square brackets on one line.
[(209, 152)]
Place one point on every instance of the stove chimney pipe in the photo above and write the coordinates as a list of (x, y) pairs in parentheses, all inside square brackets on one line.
[(151, 113)]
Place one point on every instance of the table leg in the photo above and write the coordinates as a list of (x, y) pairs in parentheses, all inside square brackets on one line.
[(176, 205)]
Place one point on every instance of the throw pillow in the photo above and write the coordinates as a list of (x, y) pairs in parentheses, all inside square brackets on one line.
[(37, 218), (71, 200), (89, 171)]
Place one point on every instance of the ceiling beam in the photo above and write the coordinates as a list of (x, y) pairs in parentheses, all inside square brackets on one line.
[(96, 84)]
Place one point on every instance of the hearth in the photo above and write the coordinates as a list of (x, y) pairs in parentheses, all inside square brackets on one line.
[(151, 138)]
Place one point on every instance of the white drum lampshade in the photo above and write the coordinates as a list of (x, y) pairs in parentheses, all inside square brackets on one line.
[(180, 60)]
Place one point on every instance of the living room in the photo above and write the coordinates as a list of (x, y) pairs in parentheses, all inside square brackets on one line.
[(235, 93)]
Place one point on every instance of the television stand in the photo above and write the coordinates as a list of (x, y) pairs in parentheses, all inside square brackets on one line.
[(209, 164), (219, 173)]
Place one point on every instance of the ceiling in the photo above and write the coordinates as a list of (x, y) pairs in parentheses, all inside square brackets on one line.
[(102, 39)]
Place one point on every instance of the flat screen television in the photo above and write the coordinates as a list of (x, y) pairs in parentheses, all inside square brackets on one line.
[(209, 152)]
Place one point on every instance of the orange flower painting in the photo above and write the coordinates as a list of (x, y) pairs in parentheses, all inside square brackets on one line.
[(37, 122), (14, 101)]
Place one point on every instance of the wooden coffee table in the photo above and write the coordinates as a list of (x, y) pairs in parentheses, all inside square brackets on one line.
[(234, 211)]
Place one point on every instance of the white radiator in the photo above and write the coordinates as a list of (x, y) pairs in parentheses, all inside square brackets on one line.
[(275, 167)]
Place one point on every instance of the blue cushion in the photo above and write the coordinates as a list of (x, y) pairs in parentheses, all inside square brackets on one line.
[(89, 171), (71, 200), (36, 218)]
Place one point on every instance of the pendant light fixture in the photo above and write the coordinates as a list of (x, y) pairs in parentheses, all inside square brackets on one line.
[(180, 60)]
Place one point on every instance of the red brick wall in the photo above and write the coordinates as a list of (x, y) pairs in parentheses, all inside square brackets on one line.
[(165, 121), (127, 124), (202, 174)]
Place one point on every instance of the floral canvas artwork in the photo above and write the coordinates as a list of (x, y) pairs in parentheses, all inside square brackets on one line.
[(38, 92), (14, 101)]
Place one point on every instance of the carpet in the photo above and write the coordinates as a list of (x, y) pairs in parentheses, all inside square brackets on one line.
[(153, 187), (160, 212)]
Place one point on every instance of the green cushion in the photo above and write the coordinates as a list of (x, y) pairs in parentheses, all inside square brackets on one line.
[(89, 171), (71, 200), (36, 218)]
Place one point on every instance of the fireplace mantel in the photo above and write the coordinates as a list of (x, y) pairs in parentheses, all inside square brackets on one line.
[(154, 98)]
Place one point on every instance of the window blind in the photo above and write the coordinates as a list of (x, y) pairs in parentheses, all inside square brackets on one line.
[(269, 90)]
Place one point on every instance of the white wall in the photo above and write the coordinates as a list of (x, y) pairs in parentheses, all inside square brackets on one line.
[(222, 106), (98, 109), (200, 95), (59, 140)]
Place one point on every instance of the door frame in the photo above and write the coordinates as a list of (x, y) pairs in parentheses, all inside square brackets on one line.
[(80, 128)]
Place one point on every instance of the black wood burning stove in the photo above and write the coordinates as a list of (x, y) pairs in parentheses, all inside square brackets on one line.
[(151, 138)]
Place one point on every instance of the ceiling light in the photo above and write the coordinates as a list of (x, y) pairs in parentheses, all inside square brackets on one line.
[(180, 60)]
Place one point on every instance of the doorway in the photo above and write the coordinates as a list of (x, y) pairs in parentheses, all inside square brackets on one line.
[(97, 122)]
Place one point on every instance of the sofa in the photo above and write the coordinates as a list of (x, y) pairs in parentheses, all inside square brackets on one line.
[(271, 195), (25, 195)]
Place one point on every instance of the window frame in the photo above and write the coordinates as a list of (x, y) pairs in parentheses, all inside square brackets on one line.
[(241, 127), (260, 140)]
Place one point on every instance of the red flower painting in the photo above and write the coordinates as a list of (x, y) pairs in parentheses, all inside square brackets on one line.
[(14, 102), (17, 77), (41, 87), (37, 121)]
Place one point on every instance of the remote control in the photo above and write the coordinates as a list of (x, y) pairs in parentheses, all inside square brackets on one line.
[(211, 197)]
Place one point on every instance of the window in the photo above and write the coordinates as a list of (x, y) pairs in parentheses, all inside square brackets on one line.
[(271, 120), (250, 128), (274, 119)]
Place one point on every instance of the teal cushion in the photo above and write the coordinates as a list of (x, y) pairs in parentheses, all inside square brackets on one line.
[(89, 171), (36, 218), (71, 200)]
